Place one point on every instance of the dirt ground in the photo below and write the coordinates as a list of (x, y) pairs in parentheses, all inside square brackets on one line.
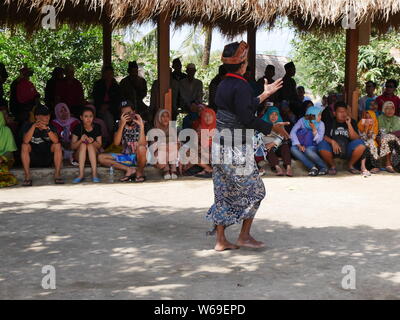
[(148, 241)]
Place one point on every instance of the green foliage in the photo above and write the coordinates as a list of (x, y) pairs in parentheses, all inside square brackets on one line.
[(82, 47), (47, 49), (321, 61)]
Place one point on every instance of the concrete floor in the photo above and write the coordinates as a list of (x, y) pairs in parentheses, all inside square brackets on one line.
[(147, 241)]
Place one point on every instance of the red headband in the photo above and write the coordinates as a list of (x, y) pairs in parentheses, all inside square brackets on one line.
[(239, 56)]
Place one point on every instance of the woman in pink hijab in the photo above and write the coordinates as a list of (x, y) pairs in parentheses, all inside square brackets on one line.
[(65, 124)]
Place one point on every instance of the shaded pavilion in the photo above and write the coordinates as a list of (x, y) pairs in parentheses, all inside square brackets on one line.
[(231, 17)]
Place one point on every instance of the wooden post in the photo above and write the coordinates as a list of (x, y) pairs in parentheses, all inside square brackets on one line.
[(163, 60), (251, 41), (352, 37), (107, 39)]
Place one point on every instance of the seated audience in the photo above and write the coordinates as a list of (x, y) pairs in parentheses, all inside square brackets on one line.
[(205, 132), (50, 90), (368, 129), (277, 146), (307, 133), (191, 95), (177, 74), (389, 95), (69, 90), (301, 94), (41, 146), (341, 140), (166, 152), (7, 147), (3, 78), (373, 106), (365, 101), (65, 125), (389, 127), (107, 95), (86, 141), (212, 89), (269, 74), (23, 96), (130, 134), (134, 88)]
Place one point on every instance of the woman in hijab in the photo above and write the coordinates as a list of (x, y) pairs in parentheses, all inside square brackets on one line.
[(238, 188), (368, 129), (166, 148), (65, 124), (205, 132), (305, 135), (277, 146), (389, 128), (7, 147)]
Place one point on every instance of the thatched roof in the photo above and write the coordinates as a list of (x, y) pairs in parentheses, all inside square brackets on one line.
[(231, 16)]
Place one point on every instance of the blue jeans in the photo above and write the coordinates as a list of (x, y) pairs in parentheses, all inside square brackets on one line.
[(326, 146), (309, 158)]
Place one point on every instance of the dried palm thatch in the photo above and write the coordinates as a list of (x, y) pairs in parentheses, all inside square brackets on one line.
[(230, 16)]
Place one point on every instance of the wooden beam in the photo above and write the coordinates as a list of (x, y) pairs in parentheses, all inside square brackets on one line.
[(251, 41), (352, 39), (163, 32), (107, 41)]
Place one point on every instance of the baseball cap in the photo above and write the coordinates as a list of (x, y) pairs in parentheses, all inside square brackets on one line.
[(127, 103), (42, 110)]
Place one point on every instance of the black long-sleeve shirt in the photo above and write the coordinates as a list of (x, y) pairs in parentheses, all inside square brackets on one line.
[(236, 96)]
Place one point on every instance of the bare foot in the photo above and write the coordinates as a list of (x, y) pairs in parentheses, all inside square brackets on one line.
[(289, 172), (279, 171), (250, 242), (225, 245)]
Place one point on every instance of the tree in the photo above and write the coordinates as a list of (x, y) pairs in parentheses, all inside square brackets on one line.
[(207, 46), (321, 60)]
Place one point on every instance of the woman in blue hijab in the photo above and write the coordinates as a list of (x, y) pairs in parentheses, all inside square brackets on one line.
[(305, 135), (275, 146)]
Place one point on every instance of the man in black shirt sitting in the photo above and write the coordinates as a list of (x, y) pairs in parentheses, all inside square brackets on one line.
[(41, 146), (341, 140)]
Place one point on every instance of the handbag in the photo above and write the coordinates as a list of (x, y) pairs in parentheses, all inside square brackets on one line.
[(306, 137)]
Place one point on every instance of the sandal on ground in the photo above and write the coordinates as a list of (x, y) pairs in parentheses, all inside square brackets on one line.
[(140, 179), (313, 172), (323, 172), (96, 180), (27, 183), (366, 173), (375, 170), (390, 169), (78, 180), (167, 176), (59, 181), (353, 171), (128, 178), (204, 174), (289, 173), (174, 176), (332, 171)]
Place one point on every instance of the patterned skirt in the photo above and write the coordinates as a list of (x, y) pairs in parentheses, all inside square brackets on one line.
[(238, 188)]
